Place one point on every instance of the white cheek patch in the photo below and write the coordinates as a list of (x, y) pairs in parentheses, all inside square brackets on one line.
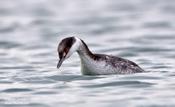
[(64, 54), (74, 47)]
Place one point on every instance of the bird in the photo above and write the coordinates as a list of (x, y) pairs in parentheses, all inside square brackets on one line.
[(92, 63)]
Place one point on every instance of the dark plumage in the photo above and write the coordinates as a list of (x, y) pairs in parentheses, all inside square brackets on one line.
[(120, 63)]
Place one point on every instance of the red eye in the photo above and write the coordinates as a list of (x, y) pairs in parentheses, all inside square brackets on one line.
[(66, 50)]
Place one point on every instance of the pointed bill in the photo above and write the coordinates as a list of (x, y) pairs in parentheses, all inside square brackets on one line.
[(60, 63)]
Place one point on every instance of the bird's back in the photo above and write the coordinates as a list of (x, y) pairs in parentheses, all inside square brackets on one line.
[(106, 64)]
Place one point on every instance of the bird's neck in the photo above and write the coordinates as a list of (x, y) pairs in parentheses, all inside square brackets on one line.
[(84, 51)]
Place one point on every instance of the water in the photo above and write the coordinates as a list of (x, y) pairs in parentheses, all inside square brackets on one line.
[(140, 30)]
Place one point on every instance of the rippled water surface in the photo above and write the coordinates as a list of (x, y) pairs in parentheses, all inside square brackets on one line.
[(140, 30)]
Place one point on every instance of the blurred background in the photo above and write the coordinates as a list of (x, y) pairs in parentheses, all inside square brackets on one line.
[(140, 30)]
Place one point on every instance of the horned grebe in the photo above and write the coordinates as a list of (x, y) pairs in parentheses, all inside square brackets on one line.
[(94, 64)]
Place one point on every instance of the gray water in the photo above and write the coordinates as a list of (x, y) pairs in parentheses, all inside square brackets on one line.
[(139, 30)]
